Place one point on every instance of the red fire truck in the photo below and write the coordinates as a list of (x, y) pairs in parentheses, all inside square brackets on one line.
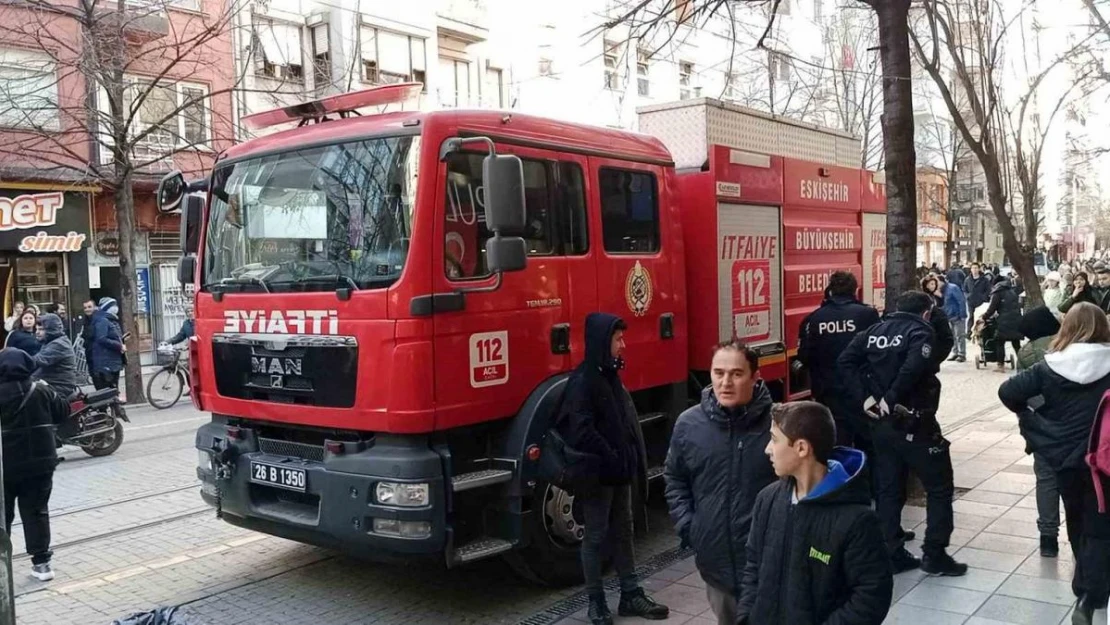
[(388, 305)]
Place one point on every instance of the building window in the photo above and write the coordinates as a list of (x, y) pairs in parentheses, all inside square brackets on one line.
[(495, 87), (818, 10), (554, 204), (782, 68), (277, 49), (173, 116), (685, 79), (612, 71), (389, 57), (731, 80), (546, 68), (784, 7), (629, 211), (321, 56), (643, 80), (28, 91), (456, 78)]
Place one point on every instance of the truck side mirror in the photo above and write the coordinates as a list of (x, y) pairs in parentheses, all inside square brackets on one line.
[(506, 254), (171, 191), (190, 224), (503, 179), (186, 270)]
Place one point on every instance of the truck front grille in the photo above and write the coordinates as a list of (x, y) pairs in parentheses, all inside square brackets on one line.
[(287, 448)]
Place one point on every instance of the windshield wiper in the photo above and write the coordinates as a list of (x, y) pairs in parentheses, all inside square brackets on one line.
[(335, 278), (239, 281)]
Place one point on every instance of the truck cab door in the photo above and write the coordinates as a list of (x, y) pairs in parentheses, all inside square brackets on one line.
[(636, 267), (506, 336)]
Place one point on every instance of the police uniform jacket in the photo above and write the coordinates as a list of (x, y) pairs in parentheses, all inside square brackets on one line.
[(894, 361), (825, 334)]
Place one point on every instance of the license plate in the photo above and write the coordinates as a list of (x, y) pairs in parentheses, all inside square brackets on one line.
[(282, 477)]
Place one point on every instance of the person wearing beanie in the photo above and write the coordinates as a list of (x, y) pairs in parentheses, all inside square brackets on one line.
[(1052, 293), (106, 349)]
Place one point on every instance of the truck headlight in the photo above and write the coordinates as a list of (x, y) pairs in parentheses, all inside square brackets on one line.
[(398, 494), (403, 529)]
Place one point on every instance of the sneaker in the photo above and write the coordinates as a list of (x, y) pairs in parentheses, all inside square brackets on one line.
[(943, 565), (908, 535), (1050, 547), (903, 561), (961, 359), (42, 572), (636, 603), (598, 611), (953, 358)]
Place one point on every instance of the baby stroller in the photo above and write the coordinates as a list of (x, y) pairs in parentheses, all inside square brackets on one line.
[(989, 345)]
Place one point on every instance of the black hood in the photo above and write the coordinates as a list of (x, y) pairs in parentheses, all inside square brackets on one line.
[(599, 338), (52, 326), (1001, 284), (15, 365), (846, 482), (743, 416), (1039, 323)]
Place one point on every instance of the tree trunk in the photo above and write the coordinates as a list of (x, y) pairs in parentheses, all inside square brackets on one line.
[(125, 212), (899, 155), (1021, 257)]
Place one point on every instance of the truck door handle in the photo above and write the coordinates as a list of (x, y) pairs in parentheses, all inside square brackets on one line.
[(666, 326), (560, 338)]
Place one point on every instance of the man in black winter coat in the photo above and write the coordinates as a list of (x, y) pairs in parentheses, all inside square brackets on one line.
[(56, 363), (815, 552), (977, 287), (715, 468), (29, 412), (823, 336), (598, 418), (893, 368)]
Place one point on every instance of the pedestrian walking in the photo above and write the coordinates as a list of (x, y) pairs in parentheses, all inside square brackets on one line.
[(29, 413), (106, 347), (716, 467), (23, 335), (1056, 401), (956, 276), (1040, 326), (1005, 311), (598, 418), (56, 363), (824, 335), (955, 308), (977, 288), (815, 551), (889, 366)]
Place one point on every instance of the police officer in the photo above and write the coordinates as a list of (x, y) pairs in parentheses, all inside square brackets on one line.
[(892, 370), (823, 336)]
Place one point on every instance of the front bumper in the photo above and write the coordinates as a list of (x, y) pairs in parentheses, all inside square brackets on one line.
[(337, 509)]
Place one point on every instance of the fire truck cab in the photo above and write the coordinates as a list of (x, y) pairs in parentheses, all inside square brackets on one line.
[(388, 307)]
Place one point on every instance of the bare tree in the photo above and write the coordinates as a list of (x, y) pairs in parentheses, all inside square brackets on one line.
[(960, 45), (853, 101), (126, 111)]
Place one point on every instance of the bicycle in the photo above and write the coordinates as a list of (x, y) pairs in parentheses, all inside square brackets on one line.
[(169, 382)]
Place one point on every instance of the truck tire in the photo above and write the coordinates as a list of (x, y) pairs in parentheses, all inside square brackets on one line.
[(553, 536)]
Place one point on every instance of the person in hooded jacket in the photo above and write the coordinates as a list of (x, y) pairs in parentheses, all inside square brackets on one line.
[(23, 335), (1052, 294), (715, 468), (106, 347), (1040, 326), (56, 363), (815, 551), (597, 417), (1082, 291), (977, 287), (822, 337), (956, 277), (1005, 309), (29, 412), (893, 366), (1056, 401)]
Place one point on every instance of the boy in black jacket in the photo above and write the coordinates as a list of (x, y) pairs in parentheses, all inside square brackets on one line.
[(815, 552)]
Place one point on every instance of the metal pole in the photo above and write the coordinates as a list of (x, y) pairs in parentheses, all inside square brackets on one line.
[(7, 593)]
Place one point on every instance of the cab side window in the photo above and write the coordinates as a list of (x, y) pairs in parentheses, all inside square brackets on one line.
[(629, 211), (555, 213)]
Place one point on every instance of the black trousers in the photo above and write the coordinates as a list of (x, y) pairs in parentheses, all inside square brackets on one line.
[(928, 458), (1089, 534), (33, 496), (105, 379), (1001, 351), (851, 431)]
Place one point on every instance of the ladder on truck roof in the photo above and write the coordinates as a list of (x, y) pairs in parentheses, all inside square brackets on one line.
[(342, 106), (689, 127)]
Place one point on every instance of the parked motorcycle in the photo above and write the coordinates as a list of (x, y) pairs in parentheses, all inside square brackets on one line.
[(95, 422)]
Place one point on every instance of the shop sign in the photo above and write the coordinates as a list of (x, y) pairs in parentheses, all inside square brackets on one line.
[(38, 210), (142, 290), (107, 245)]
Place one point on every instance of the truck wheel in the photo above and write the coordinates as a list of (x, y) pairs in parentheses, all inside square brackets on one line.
[(554, 532)]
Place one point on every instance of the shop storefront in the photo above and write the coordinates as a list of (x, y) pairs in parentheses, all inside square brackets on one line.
[(44, 239)]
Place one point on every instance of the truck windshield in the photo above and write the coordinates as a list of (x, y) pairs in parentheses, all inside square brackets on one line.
[(318, 219)]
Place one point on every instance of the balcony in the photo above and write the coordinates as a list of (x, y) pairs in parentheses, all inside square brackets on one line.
[(138, 23), (467, 20)]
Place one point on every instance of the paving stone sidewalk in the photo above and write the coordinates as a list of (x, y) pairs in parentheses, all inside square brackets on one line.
[(996, 534)]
